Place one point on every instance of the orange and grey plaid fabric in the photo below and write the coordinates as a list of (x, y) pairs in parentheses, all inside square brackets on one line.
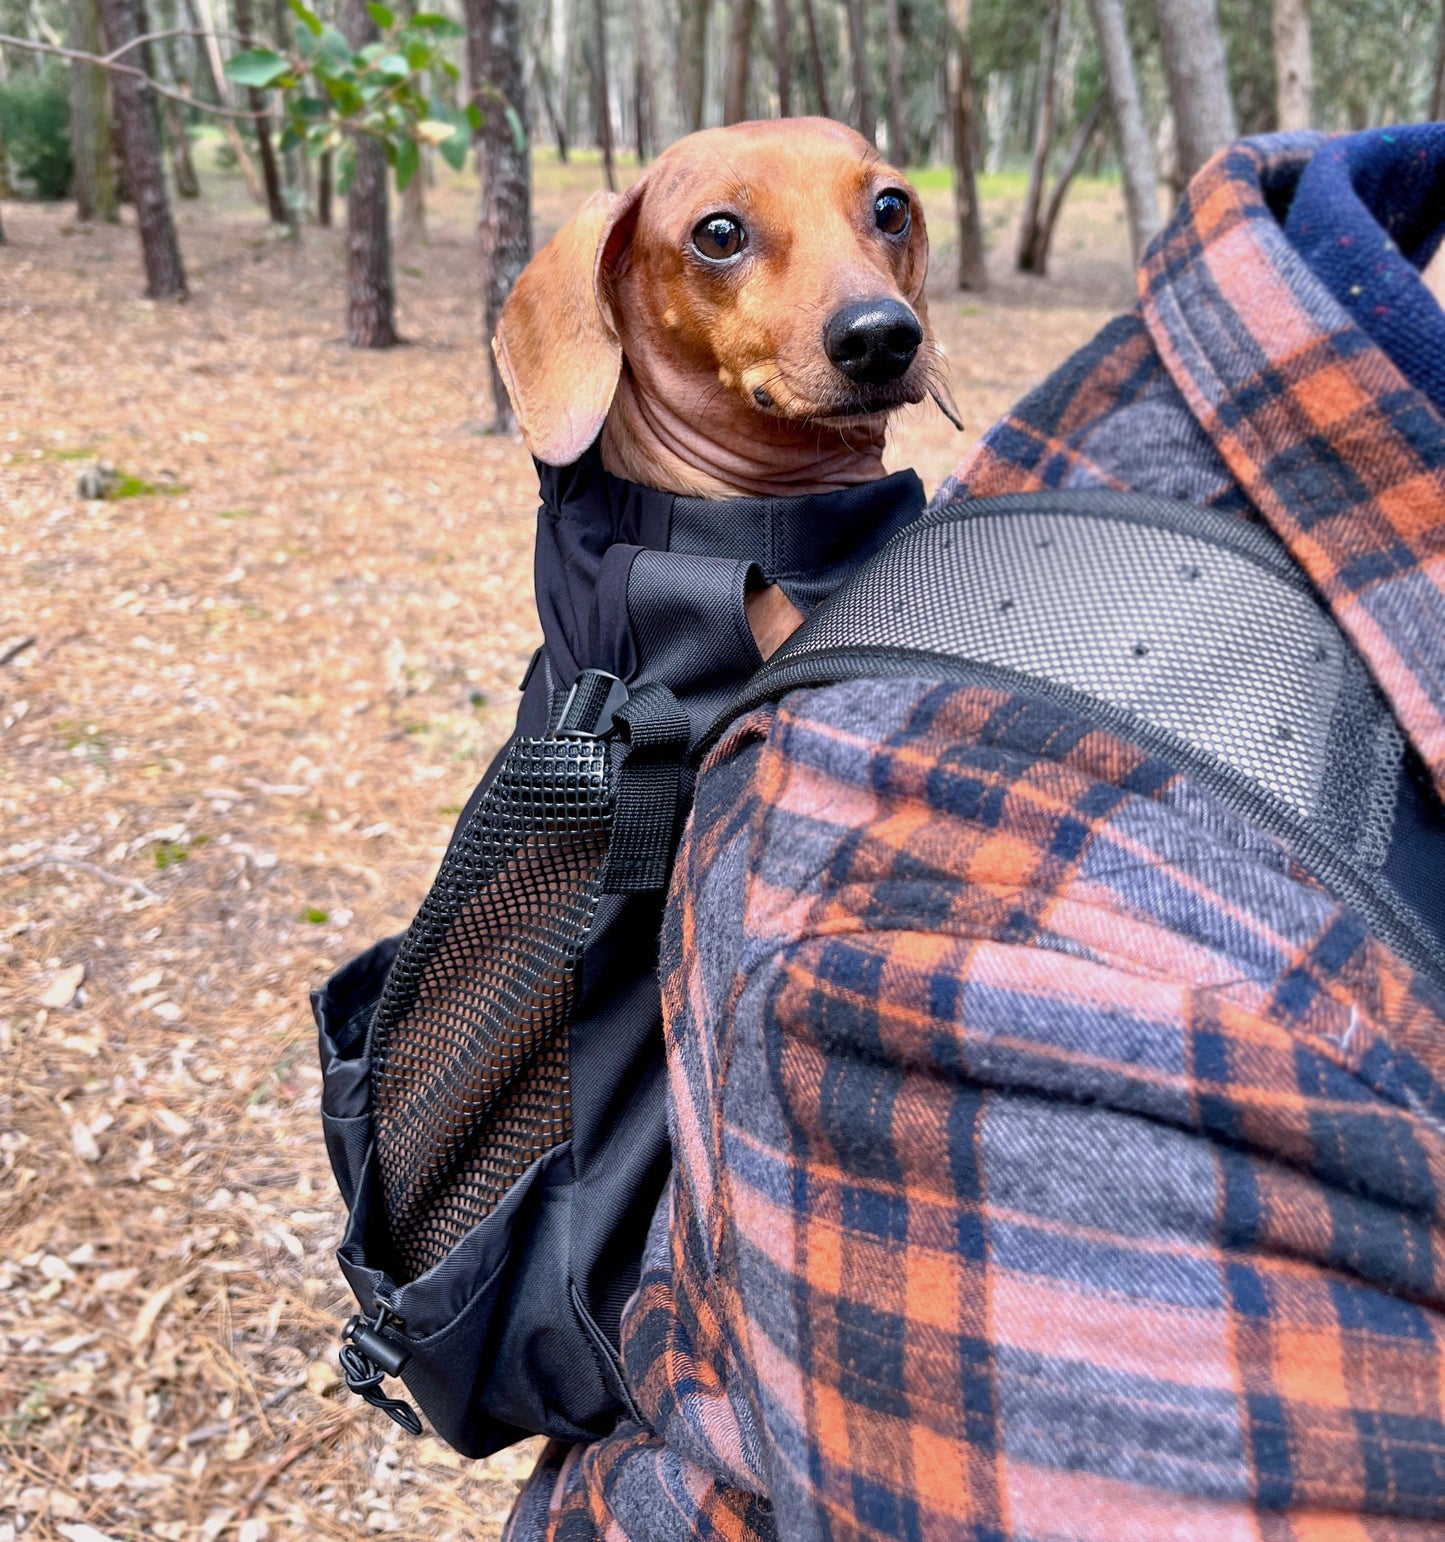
[(1053, 1158)]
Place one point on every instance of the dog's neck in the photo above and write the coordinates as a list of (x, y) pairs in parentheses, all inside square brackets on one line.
[(667, 430)]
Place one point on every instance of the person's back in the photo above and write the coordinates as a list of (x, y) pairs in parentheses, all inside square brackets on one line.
[(1055, 1156)]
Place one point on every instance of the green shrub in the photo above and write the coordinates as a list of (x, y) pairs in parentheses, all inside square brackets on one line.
[(35, 125)]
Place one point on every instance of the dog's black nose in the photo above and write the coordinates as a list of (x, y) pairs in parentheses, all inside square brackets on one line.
[(873, 341)]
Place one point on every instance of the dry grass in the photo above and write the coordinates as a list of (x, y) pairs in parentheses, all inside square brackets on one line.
[(230, 757)]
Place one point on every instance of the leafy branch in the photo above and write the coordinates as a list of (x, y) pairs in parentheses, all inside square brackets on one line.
[(332, 93)]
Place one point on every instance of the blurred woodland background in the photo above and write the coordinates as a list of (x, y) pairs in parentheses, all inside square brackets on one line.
[(267, 589)]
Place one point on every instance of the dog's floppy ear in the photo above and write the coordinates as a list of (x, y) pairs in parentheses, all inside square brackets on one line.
[(915, 276), (556, 344)]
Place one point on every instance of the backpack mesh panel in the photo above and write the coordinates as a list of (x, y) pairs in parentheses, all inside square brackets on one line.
[(469, 1047)]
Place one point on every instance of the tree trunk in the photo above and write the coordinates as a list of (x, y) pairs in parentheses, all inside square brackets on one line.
[(183, 168), (815, 50), (599, 82), (897, 106), (647, 135), (1193, 53), (293, 161), (90, 120), (567, 84), (864, 114), (785, 60), (1136, 150), (494, 59), (1437, 96), (1045, 97), (972, 270), (740, 48), (275, 204), (140, 144), (1294, 71), (370, 293), (1038, 255), (555, 116), (692, 62), (210, 52), (324, 178)]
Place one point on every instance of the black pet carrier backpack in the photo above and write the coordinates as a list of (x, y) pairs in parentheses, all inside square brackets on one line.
[(501, 1149)]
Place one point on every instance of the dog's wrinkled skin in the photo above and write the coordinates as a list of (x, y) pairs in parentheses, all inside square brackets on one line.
[(711, 377)]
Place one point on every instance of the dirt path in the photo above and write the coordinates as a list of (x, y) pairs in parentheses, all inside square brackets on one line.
[(244, 711)]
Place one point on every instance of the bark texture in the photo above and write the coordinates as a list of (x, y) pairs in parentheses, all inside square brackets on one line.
[(135, 118), (1131, 130), (740, 48), (1193, 52), (692, 61), (897, 102), (785, 59), (1045, 109), (968, 219), (256, 101), (815, 52), (370, 291), (494, 59), (865, 114), (95, 197), (1294, 71)]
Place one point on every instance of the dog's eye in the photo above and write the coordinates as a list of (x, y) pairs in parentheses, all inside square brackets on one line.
[(719, 237), (890, 212)]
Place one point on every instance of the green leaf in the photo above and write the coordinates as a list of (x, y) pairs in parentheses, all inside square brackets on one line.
[(308, 18), (407, 161), (440, 26), (393, 66), (310, 107), (256, 67), (449, 69), (454, 149), (474, 116), (418, 53), (384, 18), (334, 52), (519, 134)]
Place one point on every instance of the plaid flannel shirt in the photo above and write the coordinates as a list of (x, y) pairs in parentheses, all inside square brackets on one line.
[(1054, 1159)]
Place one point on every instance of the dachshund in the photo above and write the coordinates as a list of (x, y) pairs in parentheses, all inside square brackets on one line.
[(741, 321)]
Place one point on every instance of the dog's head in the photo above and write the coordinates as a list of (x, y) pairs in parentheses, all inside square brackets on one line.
[(779, 265)]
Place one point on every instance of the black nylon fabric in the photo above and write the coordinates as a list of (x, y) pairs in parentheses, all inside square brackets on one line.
[(514, 1331)]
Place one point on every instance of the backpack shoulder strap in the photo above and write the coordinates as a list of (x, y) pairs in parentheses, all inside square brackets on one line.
[(1183, 629)]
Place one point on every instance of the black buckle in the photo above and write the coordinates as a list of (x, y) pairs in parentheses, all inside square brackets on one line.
[(371, 1355), (588, 710)]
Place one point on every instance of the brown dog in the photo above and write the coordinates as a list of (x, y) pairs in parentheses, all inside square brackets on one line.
[(741, 321)]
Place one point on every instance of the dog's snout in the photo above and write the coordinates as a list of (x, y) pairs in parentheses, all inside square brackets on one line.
[(873, 341)]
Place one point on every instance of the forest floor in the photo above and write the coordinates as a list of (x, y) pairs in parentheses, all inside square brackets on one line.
[(238, 716)]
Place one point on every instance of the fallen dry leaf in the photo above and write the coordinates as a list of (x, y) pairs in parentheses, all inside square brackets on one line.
[(62, 988)]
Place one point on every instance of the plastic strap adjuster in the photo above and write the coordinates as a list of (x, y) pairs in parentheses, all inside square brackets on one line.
[(590, 706), (367, 1357)]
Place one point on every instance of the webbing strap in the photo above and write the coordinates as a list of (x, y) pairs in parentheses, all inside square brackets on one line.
[(655, 728)]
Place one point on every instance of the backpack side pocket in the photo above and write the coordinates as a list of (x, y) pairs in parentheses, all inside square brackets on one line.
[(343, 1009)]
